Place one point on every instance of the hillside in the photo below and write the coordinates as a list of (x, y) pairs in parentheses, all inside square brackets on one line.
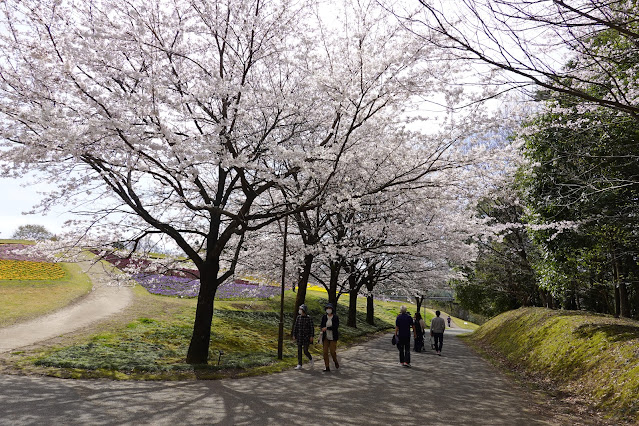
[(592, 357)]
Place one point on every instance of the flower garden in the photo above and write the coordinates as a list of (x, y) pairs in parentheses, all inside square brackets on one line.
[(26, 270), (17, 266), (185, 282), (31, 285), (168, 285)]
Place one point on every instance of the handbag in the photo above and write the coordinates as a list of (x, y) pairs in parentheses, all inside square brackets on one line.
[(394, 341)]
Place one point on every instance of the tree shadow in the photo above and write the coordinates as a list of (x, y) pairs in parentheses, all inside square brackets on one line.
[(613, 332)]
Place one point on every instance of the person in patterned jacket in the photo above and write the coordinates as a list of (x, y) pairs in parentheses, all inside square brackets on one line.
[(303, 333)]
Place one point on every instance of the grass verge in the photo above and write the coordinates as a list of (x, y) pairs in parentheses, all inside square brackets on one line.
[(591, 357), (149, 341), (26, 299)]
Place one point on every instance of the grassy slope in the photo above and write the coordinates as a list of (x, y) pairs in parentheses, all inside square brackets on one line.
[(25, 299), (149, 340), (592, 356)]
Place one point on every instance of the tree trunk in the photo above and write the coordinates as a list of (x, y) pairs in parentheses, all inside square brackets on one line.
[(332, 285), (370, 301), (198, 352), (352, 302), (621, 295), (419, 300), (370, 310), (624, 300), (302, 283)]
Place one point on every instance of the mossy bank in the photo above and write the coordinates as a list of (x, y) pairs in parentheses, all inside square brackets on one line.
[(593, 357)]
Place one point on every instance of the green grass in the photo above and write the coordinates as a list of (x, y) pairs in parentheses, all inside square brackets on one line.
[(151, 341), (26, 242), (591, 356), (25, 299)]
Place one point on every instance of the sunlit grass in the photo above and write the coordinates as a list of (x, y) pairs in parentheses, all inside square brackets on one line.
[(25, 299), (244, 339), (25, 242), (593, 356)]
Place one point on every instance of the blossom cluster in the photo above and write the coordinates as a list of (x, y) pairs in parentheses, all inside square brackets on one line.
[(20, 252), (27, 270), (167, 285)]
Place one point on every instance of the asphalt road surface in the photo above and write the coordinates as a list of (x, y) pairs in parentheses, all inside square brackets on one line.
[(370, 388)]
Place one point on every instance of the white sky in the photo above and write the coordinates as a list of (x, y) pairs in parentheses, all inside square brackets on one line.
[(17, 199)]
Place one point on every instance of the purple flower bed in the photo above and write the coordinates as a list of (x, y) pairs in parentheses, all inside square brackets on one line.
[(7, 253), (123, 262), (186, 287)]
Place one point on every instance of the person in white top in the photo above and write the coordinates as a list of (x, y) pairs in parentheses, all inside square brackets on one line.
[(437, 327)]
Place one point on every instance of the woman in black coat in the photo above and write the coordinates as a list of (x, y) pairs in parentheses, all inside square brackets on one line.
[(330, 334)]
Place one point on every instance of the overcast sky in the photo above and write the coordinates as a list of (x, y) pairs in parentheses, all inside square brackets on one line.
[(17, 199)]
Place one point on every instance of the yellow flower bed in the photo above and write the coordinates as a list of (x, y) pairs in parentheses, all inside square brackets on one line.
[(26, 270)]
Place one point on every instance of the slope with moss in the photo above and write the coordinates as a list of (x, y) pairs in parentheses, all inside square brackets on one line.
[(592, 356)]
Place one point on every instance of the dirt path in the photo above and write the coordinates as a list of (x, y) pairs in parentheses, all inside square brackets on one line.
[(101, 303), (371, 388)]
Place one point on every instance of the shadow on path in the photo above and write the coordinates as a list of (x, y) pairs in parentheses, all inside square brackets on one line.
[(457, 388)]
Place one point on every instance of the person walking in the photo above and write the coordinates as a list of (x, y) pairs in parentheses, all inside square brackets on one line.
[(420, 327), (330, 333), (437, 327), (303, 333), (448, 319), (403, 326)]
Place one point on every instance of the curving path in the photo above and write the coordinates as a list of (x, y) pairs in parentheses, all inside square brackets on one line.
[(371, 388), (101, 303)]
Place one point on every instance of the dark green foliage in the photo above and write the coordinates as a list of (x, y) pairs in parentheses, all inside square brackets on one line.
[(501, 277), (584, 171)]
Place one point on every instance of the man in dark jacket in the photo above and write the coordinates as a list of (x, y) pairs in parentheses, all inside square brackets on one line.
[(303, 333), (403, 326)]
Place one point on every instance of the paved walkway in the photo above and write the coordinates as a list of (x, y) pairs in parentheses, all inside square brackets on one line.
[(371, 388), (102, 302)]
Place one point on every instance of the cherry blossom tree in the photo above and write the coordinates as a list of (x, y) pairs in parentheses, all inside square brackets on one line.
[(583, 48), (200, 122), (171, 117)]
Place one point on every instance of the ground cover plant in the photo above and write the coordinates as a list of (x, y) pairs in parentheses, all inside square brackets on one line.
[(153, 344), (593, 357)]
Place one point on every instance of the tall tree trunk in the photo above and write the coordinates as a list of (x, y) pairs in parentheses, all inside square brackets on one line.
[(370, 309), (624, 300), (332, 285), (621, 295), (419, 300), (352, 302), (198, 352), (370, 302), (302, 283)]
